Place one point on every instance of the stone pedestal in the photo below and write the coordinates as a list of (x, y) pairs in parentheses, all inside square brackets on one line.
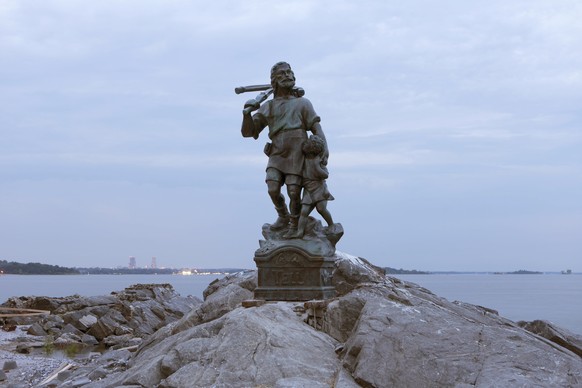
[(291, 274)]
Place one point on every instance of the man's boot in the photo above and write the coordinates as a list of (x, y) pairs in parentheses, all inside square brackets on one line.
[(293, 221), (283, 219)]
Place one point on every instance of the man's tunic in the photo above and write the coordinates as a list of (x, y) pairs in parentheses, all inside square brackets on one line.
[(288, 119)]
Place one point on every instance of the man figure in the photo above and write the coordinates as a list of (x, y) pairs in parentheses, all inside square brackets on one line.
[(288, 118)]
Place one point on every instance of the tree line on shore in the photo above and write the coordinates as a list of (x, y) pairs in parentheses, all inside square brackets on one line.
[(15, 268)]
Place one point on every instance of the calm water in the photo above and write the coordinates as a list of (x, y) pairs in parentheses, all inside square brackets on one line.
[(91, 285), (556, 298)]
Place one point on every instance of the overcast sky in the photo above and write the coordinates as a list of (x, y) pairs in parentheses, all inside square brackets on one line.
[(454, 127)]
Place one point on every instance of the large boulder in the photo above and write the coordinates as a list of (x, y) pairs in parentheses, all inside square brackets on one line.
[(267, 346)]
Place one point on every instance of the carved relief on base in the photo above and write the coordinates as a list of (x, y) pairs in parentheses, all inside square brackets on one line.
[(290, 274)]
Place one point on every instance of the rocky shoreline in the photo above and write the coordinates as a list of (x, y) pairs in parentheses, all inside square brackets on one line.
[(78, 328), (378, 331)]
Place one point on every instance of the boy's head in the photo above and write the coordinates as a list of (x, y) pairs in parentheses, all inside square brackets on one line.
[(313, 146)]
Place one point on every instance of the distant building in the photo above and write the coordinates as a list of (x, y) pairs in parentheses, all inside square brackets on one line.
[(132, 262), (154, 264)]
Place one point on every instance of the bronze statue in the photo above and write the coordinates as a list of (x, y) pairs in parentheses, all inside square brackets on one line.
[(295, 261), (289, 116)]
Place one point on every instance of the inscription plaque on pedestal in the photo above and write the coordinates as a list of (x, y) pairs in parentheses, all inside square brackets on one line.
[(291, 274)]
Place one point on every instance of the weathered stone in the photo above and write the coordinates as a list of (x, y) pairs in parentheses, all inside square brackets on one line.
[(97, 374), (72, 329), (67, 339), (342, 314), (121, 340), (9, 365), (86, 321), (2, 375), (252, 303), (81, 381), (88, 339), (53, 321), (351, 272), (560, 336), (36, 329), (216, 305), (73, 318), (245, 279), (64, 375), (123, 330), (79, 303), (104, 327), (143, 321), (247, 347), (455, 349)]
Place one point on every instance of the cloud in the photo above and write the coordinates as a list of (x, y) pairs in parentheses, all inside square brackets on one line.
[(430, 104)]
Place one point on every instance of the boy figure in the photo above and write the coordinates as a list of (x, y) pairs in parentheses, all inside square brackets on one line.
[(315, 192)]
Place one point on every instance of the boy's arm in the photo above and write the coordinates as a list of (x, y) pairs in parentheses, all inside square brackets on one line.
[(316, 129), (322, 172)]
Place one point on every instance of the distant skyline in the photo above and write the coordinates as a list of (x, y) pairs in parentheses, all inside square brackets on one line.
[(454, 128)]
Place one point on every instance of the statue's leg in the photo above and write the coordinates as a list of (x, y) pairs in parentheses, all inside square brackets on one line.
[(300, 231), (294, 192), (322, 209), (274, 190), (293, 183)]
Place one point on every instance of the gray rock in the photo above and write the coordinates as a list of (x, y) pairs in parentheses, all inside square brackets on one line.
[(74, 318), (98, 374), (246, 279), (80, 382), (300, 382), (64, 375), (560, 336), (352, 272), (72, 330), (86, 321), (9, 365), (246, 347), (88, 339), (104, 327), (220, 302), (432, 342), (120, 341), (36, 329), (67, 339), (2, 375)]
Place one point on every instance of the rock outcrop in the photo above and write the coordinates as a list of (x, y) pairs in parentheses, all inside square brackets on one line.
[(118, 320), (556, 334), (379, 331)]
